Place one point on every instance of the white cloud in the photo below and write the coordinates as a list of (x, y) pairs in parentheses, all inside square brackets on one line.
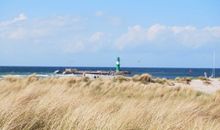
[(185, 35), (74, 47), (71, 34), (90, 43), (113, 20), (99, 13), (154, 31), (19, 18), (17, 34), (134, 35), (96, 37), (19, 28), (215, 31), (180, 29), (64, 33)]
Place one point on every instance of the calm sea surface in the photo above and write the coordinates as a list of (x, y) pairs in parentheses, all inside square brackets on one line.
[(156, 72)]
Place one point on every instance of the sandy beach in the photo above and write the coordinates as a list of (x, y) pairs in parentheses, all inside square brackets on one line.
[(199, 85), (206, 88)]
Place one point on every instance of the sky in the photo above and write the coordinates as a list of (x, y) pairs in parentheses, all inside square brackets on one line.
[(143, 33)]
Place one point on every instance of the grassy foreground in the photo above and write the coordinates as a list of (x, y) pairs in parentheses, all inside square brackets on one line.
[(104, 104)]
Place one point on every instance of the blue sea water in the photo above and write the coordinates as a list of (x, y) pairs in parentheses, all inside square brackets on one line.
[(156, 72)]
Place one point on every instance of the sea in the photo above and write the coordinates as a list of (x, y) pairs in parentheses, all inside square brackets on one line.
[(169, 73)]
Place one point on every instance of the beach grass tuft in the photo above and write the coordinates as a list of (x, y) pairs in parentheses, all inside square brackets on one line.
[(74, 103)]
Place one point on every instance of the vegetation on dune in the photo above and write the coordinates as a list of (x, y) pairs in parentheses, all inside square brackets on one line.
[(205, 80), (120, 103), (185, 80)]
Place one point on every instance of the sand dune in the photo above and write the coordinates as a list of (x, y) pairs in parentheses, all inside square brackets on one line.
[(117, 104)]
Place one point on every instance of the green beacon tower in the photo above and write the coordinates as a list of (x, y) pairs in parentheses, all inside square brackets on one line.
[(118, 64)]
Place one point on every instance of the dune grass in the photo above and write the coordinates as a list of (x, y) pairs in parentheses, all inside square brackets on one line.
[(121, 103)]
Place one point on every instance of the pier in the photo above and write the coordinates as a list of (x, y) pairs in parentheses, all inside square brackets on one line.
[(98, 73)]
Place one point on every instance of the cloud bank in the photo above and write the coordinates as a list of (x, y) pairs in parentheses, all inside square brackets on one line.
[(22, 28), (189, 36), (74, 34)]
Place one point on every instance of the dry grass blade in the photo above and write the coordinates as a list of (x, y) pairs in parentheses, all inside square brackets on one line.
[(122, 103)]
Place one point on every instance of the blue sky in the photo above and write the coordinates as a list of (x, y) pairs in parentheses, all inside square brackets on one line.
[(154, 33)]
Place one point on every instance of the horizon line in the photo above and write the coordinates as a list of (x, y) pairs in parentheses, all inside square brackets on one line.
[(112, 67)]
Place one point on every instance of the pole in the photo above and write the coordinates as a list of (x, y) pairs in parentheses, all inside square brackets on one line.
[(214, 65)]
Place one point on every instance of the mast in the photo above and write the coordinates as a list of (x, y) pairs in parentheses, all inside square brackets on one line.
[(213, 66)]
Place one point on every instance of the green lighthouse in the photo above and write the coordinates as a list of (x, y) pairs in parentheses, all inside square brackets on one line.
[(118, 64)]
